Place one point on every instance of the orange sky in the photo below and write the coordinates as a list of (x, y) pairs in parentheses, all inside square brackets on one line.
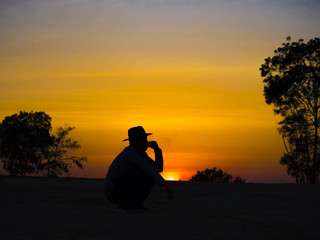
[(188, 71)]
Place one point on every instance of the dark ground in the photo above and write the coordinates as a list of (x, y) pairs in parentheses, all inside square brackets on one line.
[(70, 208)]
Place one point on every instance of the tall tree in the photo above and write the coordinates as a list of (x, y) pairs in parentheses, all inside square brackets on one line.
[(23, 137), (292, 84), (57, 160)]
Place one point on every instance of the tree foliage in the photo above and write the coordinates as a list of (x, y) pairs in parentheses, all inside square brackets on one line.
[(57, 158), (23, 137), (292, 85), (27, 147), (215, 175)]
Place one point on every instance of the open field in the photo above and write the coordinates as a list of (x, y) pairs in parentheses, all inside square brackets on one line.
[(68, 208)]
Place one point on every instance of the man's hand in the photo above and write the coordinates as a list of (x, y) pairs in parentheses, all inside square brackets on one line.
[(153, 145)]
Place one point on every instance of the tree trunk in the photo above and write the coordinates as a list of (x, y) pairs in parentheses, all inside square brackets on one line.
[(315, 153), (22, 170)]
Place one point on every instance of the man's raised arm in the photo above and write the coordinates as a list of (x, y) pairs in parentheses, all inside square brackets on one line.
[(158, 155)]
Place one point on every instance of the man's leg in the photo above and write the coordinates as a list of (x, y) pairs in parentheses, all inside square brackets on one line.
[(136, 187), (114, 195)]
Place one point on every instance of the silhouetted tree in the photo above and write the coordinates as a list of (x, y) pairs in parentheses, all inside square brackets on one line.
[(23, 137), (239, 180), (213, 175), (26, 146), (57, 159), (292, 85)]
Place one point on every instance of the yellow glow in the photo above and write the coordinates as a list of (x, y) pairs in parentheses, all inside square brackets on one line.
[(171, 176)]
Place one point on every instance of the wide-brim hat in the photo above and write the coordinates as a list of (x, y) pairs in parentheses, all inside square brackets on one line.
[(137, 133)]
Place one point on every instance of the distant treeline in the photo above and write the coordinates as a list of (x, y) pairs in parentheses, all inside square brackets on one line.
[(216, 175)]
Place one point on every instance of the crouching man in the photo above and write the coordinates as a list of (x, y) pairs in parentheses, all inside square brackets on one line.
[(132, 173)]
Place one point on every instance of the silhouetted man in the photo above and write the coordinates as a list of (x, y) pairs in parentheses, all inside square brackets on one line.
[(132, 173)]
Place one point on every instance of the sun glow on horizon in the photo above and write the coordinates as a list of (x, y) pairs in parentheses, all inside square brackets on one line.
[(171, 176)]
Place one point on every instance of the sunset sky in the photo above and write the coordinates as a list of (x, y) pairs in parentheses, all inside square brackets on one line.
[(186, 70)]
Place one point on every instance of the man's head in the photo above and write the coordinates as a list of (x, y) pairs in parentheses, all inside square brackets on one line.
[(138, 138)]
